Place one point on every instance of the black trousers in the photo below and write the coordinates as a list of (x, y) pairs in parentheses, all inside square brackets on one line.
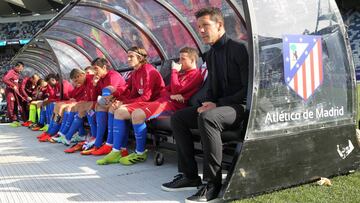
[(210, 124)]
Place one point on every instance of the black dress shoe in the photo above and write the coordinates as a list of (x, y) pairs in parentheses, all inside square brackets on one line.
[(208, 193), (182, 183)]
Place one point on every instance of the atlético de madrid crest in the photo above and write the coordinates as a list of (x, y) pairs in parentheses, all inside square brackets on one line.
[(303, 68)]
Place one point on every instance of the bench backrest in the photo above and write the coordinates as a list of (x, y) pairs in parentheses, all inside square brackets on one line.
[(165, 71)]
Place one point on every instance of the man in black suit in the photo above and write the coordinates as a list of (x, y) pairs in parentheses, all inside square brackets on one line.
[(223, 108)]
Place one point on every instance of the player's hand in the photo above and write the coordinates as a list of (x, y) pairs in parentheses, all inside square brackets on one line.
[(95, 80), (177, 97), (116, 104), (175, 66), (29, 99), (206, 106), (109, 98)]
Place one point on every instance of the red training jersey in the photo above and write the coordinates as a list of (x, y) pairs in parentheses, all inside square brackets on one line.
[(53, 92), (84, 91), (27, 89), (186, 83), (11, 79), (144, 84), (112, 78)]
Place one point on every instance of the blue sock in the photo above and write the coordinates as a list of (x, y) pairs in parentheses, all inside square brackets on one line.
[(75, 125), (140, 131), (109, 139), (68, 122), (119, 129), (100, 126), (49, 112), (52, 106), (63, 121), (92, 122), (42, 116), (53, 127), (50, 125), (124, 142)]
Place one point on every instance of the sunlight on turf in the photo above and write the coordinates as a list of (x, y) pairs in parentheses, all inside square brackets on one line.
[(20, 159), (136, 193), (87, 173), (9, 189), (8, 150), (8, 181)]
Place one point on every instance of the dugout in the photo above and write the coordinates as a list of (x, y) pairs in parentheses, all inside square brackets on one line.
[(301, 98)]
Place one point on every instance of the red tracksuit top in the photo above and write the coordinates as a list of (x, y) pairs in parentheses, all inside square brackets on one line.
[(112, 78), (67, 89), (41, 93), (185, 83), (84, 91), (144, 84), (54, 92), (11, 79), (27, 89)]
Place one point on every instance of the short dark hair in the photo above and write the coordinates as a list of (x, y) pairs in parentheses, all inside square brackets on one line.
[(89, 68), (100, 62), (214, 13), (192, 52), (52, 75), (19, 63)]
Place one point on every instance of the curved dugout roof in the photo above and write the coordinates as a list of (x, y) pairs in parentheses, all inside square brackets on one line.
[(86, 29)]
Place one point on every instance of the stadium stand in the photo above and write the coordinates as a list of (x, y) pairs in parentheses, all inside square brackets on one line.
[(353, 21), (351, 18), (20, 30), (4, 64)]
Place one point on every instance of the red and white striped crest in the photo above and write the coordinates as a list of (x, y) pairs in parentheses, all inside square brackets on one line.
[(303, 69)]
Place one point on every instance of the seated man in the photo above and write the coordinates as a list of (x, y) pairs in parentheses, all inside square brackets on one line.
[(223, 108), (39, 96), (185, 81), (28, 90), (53, 94), (145, 84), (35, 104), (65, 111), (54, 91)]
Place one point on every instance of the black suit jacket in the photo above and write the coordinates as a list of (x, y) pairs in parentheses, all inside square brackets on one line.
[(235, 70)]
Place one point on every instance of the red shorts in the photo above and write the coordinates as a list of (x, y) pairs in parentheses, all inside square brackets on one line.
[(152, 109)]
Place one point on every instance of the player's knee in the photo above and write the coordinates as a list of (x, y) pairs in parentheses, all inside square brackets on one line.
[(121, 113), (138, 116)]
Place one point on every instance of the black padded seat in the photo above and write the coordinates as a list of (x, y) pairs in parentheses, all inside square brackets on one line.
[(235, 135), (161, 123), (165, 71)]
